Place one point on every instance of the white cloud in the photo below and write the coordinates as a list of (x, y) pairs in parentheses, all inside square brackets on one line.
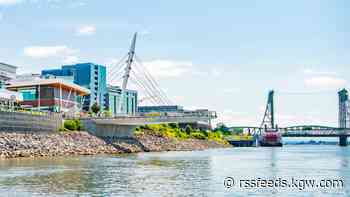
[(168, 68), (70, 60), (48, 51), (10, 2), (309, 71), (325, 82), (86, 30)]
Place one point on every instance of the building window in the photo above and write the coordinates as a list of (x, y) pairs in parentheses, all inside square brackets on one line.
[(29, 94)]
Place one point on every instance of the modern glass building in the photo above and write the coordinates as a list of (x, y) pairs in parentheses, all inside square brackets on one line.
[(114, 98), (7, 72), (88, 75)]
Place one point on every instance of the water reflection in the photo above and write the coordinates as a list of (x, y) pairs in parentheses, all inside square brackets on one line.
[(198, 173)]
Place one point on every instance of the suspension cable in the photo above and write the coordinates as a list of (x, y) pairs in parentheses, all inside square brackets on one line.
[(146, 87), (153, 81), (117, 66), (151, 86)]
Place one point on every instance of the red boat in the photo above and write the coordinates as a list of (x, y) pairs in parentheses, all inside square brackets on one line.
[(271, 138)]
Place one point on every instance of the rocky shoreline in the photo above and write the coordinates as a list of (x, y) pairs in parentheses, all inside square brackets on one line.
[(13, 145)]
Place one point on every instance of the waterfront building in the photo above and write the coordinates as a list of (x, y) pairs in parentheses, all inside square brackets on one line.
[(87, 75), (50, 95), (114, 98), (7, 72), (7, 98)]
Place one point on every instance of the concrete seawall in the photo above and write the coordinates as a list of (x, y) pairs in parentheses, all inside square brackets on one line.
[(29, 123), (108, 130)]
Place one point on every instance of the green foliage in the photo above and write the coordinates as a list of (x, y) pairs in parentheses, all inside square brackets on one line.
[(173, 125), (217, 136), (222, 128), (72, 125), (78, 124), (198, 135), (107, 114), (173, 131), (138, 131), (189, 129), (95, 108), (62, 129)]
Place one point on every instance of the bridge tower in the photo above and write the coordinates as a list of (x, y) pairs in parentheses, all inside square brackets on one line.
[(269, 116), (344, 114), (126, 76)]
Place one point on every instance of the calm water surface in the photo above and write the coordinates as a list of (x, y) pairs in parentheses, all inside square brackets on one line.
[(197, 173)]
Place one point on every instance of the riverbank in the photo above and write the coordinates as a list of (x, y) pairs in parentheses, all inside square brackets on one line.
[(13, 145)]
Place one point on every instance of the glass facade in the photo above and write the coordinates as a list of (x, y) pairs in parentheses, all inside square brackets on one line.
[(114, 98), (29, 94), (7, 72)]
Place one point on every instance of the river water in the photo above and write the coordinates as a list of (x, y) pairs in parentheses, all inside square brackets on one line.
[(196, 173)]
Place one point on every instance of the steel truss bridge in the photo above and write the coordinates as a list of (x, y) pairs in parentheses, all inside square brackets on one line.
[(268, 123), (300, 131)]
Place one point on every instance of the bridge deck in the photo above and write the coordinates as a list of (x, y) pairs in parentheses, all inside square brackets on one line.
[(142, 120)]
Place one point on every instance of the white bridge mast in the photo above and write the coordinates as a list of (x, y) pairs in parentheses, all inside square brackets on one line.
[(126, 75)]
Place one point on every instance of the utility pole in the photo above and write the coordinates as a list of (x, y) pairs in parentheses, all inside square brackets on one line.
[(126, 76)]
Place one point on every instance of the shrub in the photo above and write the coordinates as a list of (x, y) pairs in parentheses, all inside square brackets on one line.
[(107, 114), (78, 124), (188, 129), (173, 125), (198, 135), (138, 131), (70, 125)]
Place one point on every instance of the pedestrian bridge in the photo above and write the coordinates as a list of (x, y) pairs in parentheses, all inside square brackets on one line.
[(145, 120), (123, 126)]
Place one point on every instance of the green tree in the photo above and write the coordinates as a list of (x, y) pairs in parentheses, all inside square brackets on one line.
[(95, 108), (188, 129)]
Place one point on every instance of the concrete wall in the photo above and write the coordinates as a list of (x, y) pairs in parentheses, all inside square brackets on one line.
[(108, 130), (28, 123), (123, 127)]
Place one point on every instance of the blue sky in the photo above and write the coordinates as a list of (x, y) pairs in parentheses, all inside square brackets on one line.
[(222, 55)]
